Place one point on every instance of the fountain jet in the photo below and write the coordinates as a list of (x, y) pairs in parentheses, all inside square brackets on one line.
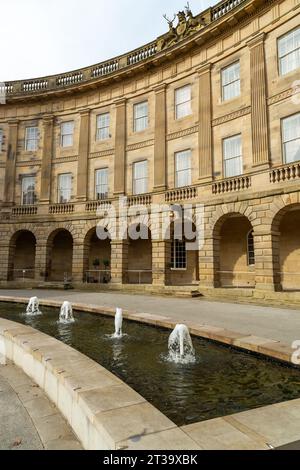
[(33, 307), (118, 323), (66, 313), (180, 345)]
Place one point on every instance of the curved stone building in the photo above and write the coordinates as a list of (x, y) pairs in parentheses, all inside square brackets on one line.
[(207, 116)]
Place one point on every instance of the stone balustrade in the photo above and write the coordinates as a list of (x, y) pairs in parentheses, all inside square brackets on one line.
[(232, 184), (105, 68), (61, 208), (139, 200), (24, 210), (93, 206), (285, 173), (181, 194)]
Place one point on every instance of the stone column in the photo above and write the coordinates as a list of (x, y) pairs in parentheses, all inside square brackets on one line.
[(82, 169), (119, 261), (161, 258), (260, 142), (41, 259), (205, 124), (10, 170), (120, 148), (209, 262), (160, 173), (78, 262), (46, 169), (4, 261), (267, 266)]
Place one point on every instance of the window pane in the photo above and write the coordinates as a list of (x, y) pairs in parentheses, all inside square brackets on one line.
[(140, 116), (67, 130), (183, 101), (1, 140), (231, 81), (183, 168), (140, 177), (103, 124), (28, 190), (178, 254), (102, 183), (289, 52), (64, 187), (232, 154), (291, 138), (31, 138)]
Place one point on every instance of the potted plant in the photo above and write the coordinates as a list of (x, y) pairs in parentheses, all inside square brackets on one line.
[(96, 263)]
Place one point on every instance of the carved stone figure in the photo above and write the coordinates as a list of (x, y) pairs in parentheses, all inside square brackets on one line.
[(187, 24)]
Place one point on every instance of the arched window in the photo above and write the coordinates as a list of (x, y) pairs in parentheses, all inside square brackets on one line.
[(250, 249)]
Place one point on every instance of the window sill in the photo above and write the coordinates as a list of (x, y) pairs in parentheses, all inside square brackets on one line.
[(178, 269)]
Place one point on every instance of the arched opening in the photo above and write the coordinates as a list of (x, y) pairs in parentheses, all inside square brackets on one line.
[(140, 256), (22, 256), (234, 253), (97, 258), (184, 256), (60, 256), (289, 249)]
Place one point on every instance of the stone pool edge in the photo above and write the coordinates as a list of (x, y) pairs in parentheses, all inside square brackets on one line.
[(245, 342), (136, 424)]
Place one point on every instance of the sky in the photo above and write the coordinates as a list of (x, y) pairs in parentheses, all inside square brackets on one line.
[(44, 37)]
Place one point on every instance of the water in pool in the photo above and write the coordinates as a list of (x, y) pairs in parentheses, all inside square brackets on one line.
[(220, 382)]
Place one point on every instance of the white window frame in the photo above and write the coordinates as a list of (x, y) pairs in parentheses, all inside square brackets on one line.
[(284, 143), (144, 119), (186, 105), (232, 158), (31, 143), (65, 135), (291, 53), (103, 131), (28, 196), (101, 189), (139, 180), (231, 84), (63, 190), (188, 168)]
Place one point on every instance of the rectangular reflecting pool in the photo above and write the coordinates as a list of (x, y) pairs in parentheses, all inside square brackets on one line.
[(222, 381)]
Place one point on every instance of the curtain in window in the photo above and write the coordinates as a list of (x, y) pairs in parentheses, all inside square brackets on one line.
[(103, 123), (183, 169), (140, 177), (183, 102), (231, 81), (64, 188), (289, 51), (102, 183), (67, 130), (233, 161), (291, 138), (141, 116), (28, 190), (31, 138)]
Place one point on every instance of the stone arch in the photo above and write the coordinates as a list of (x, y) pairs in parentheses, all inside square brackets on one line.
[(59, 257), (230, 249), (96, 257), (285, 230), (140, 256), (21, 253)]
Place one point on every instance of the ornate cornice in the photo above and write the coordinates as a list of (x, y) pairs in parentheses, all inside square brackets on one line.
[(140, 145), (102, 153), (183, 133), (230, 117), (72, 158), (283, 95)]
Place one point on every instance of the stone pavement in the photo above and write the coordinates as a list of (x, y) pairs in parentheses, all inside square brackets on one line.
[(28, 419), (278, 324)]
